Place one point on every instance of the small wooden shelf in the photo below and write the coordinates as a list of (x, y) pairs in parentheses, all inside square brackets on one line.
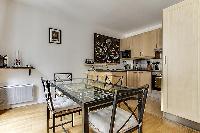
[(25, 68), (126, 59)]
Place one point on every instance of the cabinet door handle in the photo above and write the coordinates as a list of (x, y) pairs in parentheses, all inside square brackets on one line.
[(141, 54), (165, 60), (156, 45)]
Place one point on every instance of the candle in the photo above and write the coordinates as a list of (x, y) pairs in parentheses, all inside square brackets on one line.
[(17, 55)]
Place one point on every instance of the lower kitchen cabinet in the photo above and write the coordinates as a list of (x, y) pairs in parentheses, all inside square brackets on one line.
[(132, 79), (138, 78)]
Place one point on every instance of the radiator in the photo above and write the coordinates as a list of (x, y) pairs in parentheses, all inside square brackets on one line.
[(11, 95)]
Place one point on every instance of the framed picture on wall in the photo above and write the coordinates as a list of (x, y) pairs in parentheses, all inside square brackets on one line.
[(55, 36)]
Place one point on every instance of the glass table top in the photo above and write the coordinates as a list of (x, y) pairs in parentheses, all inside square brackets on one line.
[(85, 90)]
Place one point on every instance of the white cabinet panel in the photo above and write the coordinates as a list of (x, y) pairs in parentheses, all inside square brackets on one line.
[(180, 94)]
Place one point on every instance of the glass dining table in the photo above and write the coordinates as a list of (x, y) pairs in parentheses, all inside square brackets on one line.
[(90, 95)]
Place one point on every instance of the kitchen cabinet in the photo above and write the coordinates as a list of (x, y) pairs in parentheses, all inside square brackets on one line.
[(138, 78), (136, 46), (158, 39), (143, 45), (125, 44), (132, 79), (144, 78), (181, 81), (149, 42)]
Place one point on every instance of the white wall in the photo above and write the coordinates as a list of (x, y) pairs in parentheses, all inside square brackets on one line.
[(142, 30), (25, 28), (3, 7)]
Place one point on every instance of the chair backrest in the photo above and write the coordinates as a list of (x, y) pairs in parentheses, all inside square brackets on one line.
[(113, 80), (62, 77), (47, 91), (117, 80), (139, 94)]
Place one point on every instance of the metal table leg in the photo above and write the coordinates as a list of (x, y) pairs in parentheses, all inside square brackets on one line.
[(48, 119), (85, 119), (140, 114)]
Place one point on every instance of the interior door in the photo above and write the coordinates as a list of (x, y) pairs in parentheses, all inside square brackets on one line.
[(180, 69)]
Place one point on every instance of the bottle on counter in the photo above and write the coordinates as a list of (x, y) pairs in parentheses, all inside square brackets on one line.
[(136, 66), (149, 66), (5, 61)]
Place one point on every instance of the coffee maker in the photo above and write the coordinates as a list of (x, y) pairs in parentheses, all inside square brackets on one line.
[(156, 66)]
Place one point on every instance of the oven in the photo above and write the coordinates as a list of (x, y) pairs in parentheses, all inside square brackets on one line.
[(156, 81)]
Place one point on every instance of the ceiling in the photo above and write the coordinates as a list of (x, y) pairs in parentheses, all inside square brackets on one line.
[(122, 16)]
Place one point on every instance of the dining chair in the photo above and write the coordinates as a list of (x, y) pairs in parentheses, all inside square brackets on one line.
[(58, 107), (104, 81), (61, 78), (113, 80), (114, 119), (65, 78)]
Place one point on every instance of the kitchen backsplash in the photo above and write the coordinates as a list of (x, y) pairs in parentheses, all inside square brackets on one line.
[(141, 64)]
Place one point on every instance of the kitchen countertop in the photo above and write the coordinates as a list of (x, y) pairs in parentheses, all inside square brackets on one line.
[(122, 70)]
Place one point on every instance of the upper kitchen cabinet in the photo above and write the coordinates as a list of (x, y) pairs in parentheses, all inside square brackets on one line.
[(136, 46), (149, 42), (159, 39), (143, 45), (125, 44)]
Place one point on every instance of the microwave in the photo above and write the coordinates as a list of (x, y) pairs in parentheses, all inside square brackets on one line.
[(126, 54)]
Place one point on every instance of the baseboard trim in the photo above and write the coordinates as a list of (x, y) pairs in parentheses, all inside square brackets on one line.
[(182, 121)]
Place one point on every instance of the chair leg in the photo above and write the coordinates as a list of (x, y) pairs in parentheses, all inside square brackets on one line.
[(48, 113), (61, 118), (72, 119), (140, 129), (54, 123)]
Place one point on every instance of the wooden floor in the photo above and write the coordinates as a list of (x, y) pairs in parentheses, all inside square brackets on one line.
[(32, 119)]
